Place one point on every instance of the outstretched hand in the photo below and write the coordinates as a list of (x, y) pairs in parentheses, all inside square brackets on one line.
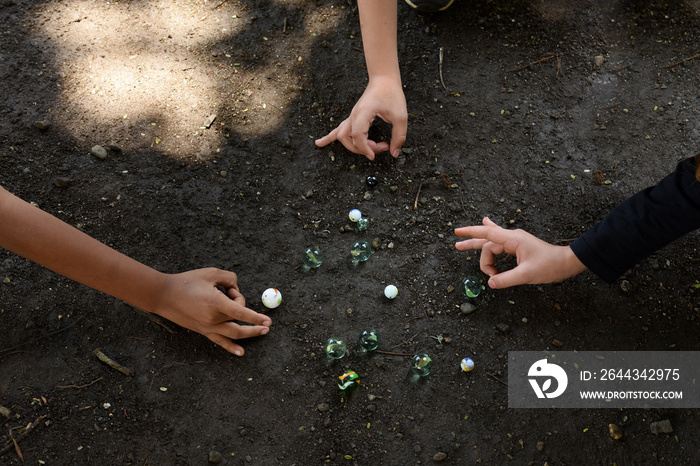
[(192, 300), (537, 260), (383, 99)]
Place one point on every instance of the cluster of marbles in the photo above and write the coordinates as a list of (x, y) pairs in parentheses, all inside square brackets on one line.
[(356, 216)]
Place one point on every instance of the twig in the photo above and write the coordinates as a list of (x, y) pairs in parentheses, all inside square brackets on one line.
[(42, 337), (682, 61), (15, 441), (80, 386), (496, 378), (112, 363), (284, 27), (530, 64), (442, 81), (392, 353), (415, 204)]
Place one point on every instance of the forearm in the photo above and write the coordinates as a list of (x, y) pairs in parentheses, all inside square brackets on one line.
[(46, 240), (378, 19), (643, 224)]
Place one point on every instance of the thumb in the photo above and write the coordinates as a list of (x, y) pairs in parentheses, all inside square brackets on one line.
[(507, 279)]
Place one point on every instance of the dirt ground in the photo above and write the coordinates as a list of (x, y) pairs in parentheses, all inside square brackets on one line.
[(529, 128)]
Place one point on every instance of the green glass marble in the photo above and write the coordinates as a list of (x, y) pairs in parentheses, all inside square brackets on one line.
[(312, 258), (472, 287), (349, 381), (421, 364), (360, 250), (369, 339), (363, 224), (335, 348)]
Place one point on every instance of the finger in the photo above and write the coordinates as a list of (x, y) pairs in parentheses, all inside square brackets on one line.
[(236, 295), (507, 279), (227, 344), (489, 251), (398, 136), (235, 311), (378, 147), (238, 332), (469, 244), (328, 138), (359, 138), (475, 231), (228, 280)]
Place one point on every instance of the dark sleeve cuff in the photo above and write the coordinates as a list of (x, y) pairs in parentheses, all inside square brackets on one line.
[(644, 223)]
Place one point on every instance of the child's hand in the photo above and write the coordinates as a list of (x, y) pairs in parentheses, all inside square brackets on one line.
[(192, 300), (538, 261), (383, 98)]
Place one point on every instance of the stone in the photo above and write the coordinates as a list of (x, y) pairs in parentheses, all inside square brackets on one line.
[(214, 457), (42, 124), (467, 308), (99, 152), (439, 457), (323, 407), (661, 427)]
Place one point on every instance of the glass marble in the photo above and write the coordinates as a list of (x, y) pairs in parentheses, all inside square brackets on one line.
[(348, 382), (467, 364), (391, 291), (369, 339), (472, 287), (271, 298), (372, 181), (421, 364), (355, 215), (313, 257), (360, 250), (363, 223), (335, 348)]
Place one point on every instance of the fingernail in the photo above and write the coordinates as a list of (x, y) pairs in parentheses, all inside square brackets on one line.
[(238, 352), (492, 283), (267, 323), (264, 331)]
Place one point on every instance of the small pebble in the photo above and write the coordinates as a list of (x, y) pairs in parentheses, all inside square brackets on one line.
[(323, 407), (502, 328), (214, 457), (467, 308), (625, 285), (661, 427), (61, 182), (43, 124), (99, 152), (376, 243), (368, 196), (327, 422), (439, 456), (393, 188), (540, 446), (114, 147)]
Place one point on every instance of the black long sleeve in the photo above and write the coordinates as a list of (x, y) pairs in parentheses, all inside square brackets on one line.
[(642, 224)]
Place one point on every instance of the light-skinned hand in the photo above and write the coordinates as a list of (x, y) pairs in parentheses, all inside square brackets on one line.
[(383, 98), (537, 260)]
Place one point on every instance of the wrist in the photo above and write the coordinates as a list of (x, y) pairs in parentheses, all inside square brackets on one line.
[(572, 264)]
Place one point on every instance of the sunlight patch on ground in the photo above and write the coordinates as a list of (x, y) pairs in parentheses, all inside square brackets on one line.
[(157, 85)]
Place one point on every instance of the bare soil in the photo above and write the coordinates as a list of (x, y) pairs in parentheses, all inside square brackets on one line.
[(528, 128)]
